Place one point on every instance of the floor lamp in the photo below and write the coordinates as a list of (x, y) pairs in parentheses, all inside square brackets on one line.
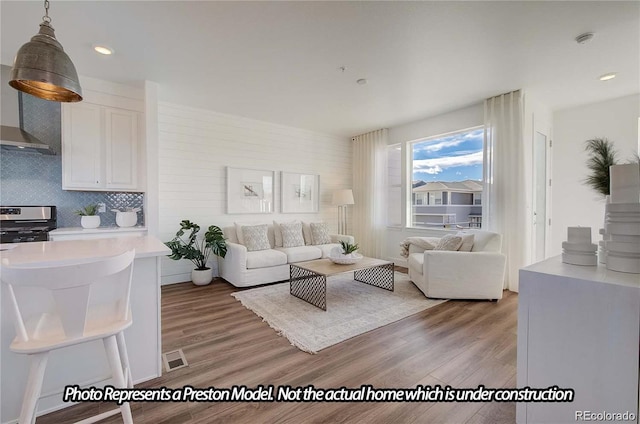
[(342, 198)]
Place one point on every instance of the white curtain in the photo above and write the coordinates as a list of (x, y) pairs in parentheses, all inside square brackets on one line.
[(369, 191), (505, 193)]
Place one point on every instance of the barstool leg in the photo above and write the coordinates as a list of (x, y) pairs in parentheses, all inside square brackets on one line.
[(124, 358), (111, 347), (34, 386)]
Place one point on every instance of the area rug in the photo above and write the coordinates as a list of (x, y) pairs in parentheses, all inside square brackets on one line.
[(353, 308)]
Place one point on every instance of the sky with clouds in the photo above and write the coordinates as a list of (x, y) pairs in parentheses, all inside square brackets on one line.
[(455, 157)]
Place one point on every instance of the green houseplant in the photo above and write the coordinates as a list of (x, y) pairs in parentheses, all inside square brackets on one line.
[(348, 248), (89, 216), (197, 251), (602, 155)]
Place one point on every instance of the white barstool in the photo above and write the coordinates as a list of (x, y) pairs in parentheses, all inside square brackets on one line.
[(76, 317)]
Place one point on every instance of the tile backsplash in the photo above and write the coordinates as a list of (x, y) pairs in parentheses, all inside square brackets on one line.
[(34, 179)]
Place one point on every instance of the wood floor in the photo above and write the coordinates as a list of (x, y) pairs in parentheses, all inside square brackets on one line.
[(457, 343)]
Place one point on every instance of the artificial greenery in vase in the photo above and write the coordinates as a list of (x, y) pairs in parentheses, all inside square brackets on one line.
[(348, 248), (602, 156), (89, 210), (197, 251)]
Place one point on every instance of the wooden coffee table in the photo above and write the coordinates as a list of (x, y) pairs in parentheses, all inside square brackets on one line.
[(308, 280)]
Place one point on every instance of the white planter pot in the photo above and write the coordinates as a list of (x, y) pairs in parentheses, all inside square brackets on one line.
[(126, 219), (92, 221), (201, 277)]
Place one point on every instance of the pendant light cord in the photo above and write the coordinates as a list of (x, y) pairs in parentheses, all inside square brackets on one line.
[(46, 17)]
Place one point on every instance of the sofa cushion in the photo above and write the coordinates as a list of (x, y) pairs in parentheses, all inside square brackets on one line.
[(326, 249), (300, 253), (467, 241), (449, 242), (255, 237), (265, 258), (291, 234), (416, 262), (320, 233), (486, 241)]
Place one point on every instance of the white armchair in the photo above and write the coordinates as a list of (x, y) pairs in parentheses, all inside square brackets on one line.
[(478, 274)]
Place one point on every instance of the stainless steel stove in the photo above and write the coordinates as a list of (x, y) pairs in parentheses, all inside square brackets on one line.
[(19, 224)]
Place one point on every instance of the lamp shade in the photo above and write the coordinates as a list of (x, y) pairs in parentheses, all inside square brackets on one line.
[(44, 70), (342, 197)]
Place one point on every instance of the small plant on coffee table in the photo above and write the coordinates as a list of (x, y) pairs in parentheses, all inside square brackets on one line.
[(348, 248)]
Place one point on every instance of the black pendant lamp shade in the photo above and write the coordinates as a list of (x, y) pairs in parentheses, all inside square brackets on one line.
[(42, 68)]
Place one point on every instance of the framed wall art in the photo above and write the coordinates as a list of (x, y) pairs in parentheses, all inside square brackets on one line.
[(249, 191), (300, 193)]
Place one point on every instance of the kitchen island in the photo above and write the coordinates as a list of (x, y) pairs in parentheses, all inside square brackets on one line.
[(84, 364)]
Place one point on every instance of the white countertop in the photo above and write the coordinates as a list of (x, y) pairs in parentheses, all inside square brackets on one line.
[(99, 230), (80, 250), (600, 273)]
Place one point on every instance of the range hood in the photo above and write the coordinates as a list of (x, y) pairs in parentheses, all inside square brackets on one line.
[(14, 138)]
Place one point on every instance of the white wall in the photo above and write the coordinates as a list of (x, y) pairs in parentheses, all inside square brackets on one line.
[(8, 99), (468, 117), (196, 146), (573, 202)]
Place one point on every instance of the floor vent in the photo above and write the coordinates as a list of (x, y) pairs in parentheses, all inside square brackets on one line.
[(174, 360)]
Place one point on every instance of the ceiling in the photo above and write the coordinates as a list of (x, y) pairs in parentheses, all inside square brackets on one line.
[(280, 61)]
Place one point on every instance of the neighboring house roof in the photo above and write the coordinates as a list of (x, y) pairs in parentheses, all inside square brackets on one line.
[(460, 186)]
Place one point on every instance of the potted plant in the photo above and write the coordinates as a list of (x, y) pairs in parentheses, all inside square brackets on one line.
[(198, 251), (602, 156), (89, 216), (348, 249)]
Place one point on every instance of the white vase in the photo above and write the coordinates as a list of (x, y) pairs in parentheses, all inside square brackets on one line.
[(90, 221), (201, 277)]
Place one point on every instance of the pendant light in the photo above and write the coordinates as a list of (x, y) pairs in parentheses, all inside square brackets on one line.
[(42, 68)]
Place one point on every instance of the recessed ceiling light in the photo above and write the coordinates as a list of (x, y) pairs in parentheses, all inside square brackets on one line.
[(607, 77), (584, 38), (102, 49), (362, 81)]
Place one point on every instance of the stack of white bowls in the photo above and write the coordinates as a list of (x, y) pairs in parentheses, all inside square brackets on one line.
[(578, 249), (623, 229), (622, 220)]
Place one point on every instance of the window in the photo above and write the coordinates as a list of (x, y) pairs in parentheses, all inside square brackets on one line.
[(446, 180)]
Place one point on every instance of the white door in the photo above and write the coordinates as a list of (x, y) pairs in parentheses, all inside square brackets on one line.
[(81, 143), (121, 139), (540, 190)]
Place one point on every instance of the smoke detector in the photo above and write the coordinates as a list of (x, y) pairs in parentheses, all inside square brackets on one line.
[(584, 38)]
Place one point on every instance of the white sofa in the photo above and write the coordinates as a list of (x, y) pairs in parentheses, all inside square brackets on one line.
[(244, 269), (478, 274)]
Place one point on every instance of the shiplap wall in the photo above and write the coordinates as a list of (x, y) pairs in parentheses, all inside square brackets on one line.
[(196, 146)]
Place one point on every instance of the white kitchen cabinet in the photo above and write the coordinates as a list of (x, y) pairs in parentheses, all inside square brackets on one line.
[(578, 328), (81, 146), (100, 148)]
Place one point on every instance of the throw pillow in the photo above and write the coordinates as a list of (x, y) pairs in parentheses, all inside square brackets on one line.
[(306, 232), (291, 234), (320, 233), (449, 242), (255, 237), (277, 232), (467, 241), (239, 226)]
